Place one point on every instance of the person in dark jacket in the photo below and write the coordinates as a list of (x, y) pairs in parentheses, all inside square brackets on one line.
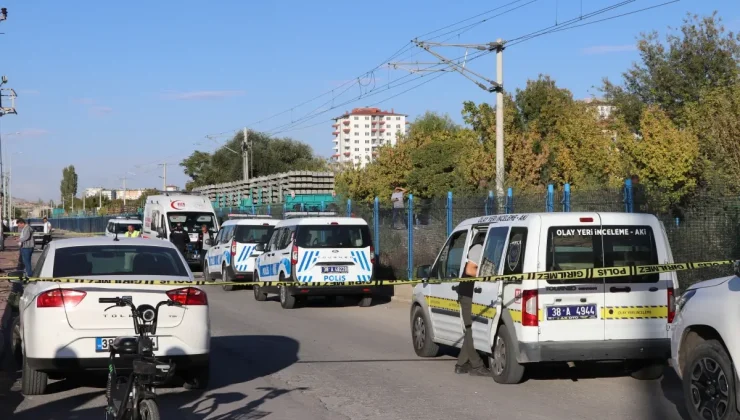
[(180, 239), (205, 240)]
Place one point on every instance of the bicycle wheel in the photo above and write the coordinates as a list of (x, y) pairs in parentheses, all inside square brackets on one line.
[(148, 410)]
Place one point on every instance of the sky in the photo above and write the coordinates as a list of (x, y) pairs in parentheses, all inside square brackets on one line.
[(116, 88)]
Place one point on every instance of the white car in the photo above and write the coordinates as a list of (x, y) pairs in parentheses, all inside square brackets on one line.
[(119, 226), (64, 329), (231, 256), (705, 346)]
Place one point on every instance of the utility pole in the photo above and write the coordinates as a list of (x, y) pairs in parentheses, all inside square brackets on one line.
[(3, 111), (246, 148), (124, 188), (164, 176), (492, 86)]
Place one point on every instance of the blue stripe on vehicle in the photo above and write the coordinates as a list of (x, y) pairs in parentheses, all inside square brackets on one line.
[(241, 254), (367, 261), (302, 261), (315, 258), (354, 256)]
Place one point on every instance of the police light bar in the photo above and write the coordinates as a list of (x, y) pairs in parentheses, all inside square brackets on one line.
[(248, 216), (292, 214)]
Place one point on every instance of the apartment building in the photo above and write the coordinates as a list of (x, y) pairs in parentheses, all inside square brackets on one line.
[(358, 134)]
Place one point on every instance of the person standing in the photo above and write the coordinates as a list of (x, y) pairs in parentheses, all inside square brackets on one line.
[(469, 361), (47, 233), (131, 232), (205, 240), (398, 206), (180, 239), (26, 244)]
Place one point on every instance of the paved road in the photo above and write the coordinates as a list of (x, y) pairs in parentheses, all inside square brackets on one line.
[(335, 362)]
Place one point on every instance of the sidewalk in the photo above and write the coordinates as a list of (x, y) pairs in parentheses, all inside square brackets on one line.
[(8, 262)]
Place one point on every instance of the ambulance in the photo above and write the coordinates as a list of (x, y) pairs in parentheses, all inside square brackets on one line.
[(544, 318), (317, 249), (162, 213)]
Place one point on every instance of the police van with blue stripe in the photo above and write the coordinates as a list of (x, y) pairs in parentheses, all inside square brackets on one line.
[(317, 248), (232, 253)]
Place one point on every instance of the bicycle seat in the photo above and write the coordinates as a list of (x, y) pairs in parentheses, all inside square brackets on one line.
[(125, 345)]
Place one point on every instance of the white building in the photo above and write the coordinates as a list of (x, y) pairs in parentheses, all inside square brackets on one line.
[(358, 134), (603, 109), (98, 191)]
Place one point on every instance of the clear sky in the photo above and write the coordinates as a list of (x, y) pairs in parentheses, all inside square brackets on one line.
[(117, 87)]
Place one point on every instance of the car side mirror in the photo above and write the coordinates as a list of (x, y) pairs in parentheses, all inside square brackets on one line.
[(209, 241), (737, 268), (259, 248), (422, 272)]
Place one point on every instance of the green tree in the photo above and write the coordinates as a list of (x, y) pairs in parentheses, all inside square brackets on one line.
[(68, 187), (269, 156), (671, 75), (542, 102)]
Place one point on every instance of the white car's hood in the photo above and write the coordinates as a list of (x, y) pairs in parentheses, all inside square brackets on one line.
[(710, 283)]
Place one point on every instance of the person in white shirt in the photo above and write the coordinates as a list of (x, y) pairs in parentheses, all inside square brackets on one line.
[(47, 233)]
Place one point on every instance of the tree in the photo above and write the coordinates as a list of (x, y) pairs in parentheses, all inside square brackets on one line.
[(672, 75), (542, 102), (663, 157), (269, 156), (68, 185)]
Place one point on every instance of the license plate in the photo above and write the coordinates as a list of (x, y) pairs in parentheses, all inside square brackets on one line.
[(102, 344), (335, 269), (571, 312)]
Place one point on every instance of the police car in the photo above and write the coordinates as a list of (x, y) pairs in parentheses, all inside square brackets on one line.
[(233, 251), (516, 324), (317, 249), (119, 226)]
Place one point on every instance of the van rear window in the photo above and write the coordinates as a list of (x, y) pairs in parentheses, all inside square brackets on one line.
[(578, 247), (249, 234), (333, 236)]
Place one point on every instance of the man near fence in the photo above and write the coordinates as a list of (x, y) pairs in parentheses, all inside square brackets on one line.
[(25, 239), (469, 361), (398, 206)]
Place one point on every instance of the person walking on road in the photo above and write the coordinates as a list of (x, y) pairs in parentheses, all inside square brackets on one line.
[(26, 244), (47, 233), (469, 361)]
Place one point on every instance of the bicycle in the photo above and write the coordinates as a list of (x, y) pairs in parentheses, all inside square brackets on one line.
[(132, 396)]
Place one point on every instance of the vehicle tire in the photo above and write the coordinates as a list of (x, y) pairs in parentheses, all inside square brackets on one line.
[(198, 378), (226, 279), (502, 361), (421, 337), (148, 410), (206, 273), (649, 370), (33, 382), (708, 373), (259, 295), (287, 301), (365, 301)]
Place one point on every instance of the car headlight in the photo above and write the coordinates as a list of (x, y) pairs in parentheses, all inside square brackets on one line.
[(684, 299)]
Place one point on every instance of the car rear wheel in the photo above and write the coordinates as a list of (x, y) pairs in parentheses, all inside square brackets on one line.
[(226, 279), (16, 349), (366, 301), (287, 300), (503, 364), (206, 273), (33, 382), (709, 383), (421, 336)]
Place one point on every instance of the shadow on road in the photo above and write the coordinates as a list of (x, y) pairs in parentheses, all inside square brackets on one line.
[(338, 302), (234, 360)]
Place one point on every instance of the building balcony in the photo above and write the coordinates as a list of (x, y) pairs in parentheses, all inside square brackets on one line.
[(336, 133), (347, 153), (335, 125), (374, 130), (346, 122), (382, 130), (346, 130)]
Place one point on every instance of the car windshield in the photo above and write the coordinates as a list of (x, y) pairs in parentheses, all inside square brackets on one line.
[(246, 234), (123, 227), (192, 221), (37, 228), (333, 236), (109, 260)]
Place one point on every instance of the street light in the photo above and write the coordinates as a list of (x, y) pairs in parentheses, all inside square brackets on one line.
[(11, 215)]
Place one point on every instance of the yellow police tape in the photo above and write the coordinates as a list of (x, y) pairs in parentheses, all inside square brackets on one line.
[(565, 276)]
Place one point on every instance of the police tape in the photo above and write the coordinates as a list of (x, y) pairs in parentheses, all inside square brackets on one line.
[(564, 276)]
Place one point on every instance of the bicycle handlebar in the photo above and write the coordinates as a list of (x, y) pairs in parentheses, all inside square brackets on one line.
[(117, 301)]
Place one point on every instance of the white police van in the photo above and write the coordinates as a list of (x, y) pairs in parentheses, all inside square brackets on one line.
[(235, 248), (544, 319), (317, 249)]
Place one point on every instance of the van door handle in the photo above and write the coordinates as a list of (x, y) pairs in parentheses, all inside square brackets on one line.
[(454, 288), (620, 289), (478, 290), (285, 253), (653, 289)]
